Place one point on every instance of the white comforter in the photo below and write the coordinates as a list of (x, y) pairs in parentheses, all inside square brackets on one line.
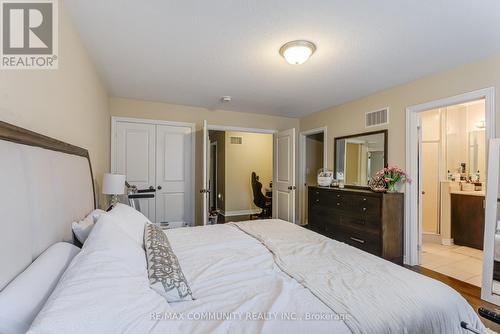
[(231, 274), (379, 297), (239, 287)]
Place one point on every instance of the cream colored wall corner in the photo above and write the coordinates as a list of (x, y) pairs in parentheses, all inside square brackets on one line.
[(121, 107), (349, 118), (254, 154), (69, 104)]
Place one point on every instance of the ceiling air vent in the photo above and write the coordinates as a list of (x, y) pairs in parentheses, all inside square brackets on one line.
[(236, 140), (376, 118)]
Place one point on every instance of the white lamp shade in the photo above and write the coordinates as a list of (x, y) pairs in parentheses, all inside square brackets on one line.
[(113, 184)]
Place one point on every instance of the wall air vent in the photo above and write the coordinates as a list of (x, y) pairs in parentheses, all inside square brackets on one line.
[(236, 140), (376, 118)]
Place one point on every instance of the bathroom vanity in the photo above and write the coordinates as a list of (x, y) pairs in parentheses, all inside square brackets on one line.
[(467, 218)]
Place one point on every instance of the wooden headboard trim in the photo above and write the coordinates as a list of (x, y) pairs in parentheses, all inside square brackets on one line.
[(23, 136)]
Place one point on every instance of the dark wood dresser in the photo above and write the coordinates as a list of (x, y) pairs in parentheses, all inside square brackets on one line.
[(361, 218)]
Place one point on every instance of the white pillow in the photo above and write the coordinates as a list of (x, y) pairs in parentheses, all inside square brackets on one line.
[(105, 289), (83, 227), (25, 296), (131, 221)]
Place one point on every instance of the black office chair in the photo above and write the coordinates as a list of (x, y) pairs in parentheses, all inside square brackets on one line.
[(261, 201)]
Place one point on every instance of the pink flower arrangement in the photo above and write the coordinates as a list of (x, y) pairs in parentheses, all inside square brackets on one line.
[(389, 178)]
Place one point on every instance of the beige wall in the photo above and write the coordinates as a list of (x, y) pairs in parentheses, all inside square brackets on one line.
[(69, 104), (255, 154), (349, 118), (178, 113)]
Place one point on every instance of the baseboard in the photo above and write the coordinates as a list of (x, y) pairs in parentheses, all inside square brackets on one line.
[(447, 242), (241, 212), (431, 237)]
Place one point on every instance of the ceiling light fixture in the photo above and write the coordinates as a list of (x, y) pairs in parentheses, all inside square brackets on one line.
[(297, 52)]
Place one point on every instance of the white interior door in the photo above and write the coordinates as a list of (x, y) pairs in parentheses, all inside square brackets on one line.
[(173, 174), (135, 157), (430, 187), (205, 190), (284, 188)]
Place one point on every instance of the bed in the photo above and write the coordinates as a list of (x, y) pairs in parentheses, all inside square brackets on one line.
[(265, 276)]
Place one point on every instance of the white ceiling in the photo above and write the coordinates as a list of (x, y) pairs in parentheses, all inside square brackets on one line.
[(193, 52)]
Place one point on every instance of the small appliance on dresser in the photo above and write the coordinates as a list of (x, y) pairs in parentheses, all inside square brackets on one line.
[(362, 218)]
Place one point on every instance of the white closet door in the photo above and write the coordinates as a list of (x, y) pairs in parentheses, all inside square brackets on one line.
[(173, 174), (284, 176), (135, 157)]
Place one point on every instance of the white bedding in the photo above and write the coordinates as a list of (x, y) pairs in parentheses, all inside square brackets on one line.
[(231, 272), (379, 297), (237, 286)]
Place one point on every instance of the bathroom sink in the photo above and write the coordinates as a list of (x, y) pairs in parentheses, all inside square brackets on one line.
[(468, 187)]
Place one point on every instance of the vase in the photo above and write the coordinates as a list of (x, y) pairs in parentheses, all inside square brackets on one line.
[(392, 188)]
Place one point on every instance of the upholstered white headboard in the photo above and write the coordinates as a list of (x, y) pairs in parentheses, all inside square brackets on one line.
[(45, 185)]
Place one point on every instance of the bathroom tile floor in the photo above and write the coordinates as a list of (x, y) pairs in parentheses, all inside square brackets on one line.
[(460, 262)]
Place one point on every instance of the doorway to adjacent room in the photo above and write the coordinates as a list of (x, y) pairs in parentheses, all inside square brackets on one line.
[(313, 157)]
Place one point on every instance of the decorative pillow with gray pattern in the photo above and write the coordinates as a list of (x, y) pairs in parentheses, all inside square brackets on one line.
[(164, 271)]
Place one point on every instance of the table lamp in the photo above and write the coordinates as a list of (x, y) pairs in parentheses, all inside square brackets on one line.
[(113, 184)]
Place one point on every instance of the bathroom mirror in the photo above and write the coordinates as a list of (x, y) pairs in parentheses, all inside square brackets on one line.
[(491, 269), (476, 152), (358, 157)]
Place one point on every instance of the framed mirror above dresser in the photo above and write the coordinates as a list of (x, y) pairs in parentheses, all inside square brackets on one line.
[(358, 157)]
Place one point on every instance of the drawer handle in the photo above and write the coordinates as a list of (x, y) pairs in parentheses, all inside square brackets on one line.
[(357, 240), (317, 201), (364, 198), (317, 192), (338, 196), (338, 204), (364, 209)]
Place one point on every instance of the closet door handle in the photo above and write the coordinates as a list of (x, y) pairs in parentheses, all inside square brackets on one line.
[(159, 187)]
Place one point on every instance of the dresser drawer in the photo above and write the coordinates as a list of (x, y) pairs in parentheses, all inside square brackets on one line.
[(338, 201), (366, 205), (369, 242), (359, 222)]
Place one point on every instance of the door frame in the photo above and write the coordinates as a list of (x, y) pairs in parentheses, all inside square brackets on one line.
[(413, 228), (215, 171), (302, 166), (225, 128), (116, 119)]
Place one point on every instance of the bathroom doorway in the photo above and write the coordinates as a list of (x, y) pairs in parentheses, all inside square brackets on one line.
[(452, 176)]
